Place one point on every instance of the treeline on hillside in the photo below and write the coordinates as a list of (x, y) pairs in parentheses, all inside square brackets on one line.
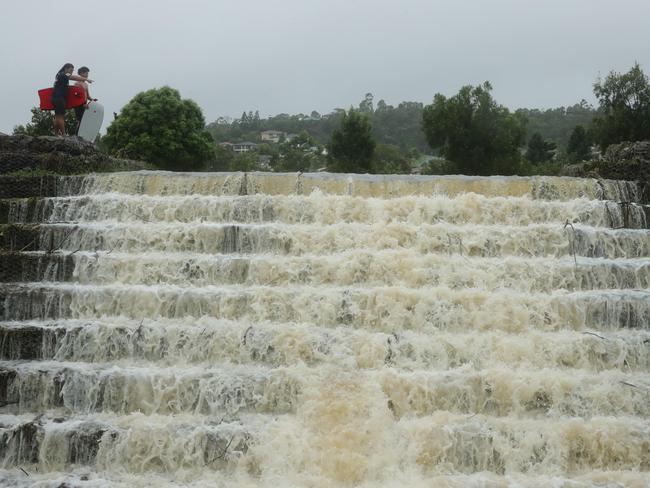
[(557, 124), (469, 132), (401, 142), (399, 126), (476, 135)]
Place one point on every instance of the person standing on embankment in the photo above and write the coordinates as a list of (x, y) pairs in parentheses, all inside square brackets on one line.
[(79, 111), (61, 82)]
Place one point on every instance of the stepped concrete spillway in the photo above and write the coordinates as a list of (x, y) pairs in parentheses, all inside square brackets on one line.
[(252, 329)]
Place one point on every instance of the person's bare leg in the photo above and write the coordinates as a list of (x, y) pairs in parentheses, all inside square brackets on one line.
[(59, 125)]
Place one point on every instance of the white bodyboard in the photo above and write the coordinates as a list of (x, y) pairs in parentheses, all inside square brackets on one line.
[(91, 122)]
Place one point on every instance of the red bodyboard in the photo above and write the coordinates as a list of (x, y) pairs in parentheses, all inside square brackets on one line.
[(76, 97)]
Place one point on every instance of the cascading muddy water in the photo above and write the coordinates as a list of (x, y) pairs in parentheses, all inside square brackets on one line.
[(325, 330)]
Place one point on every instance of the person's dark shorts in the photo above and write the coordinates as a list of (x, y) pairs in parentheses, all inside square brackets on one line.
[(59, 106), (79, 113)]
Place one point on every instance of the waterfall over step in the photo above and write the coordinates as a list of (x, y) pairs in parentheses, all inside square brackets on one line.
[(319, 330)]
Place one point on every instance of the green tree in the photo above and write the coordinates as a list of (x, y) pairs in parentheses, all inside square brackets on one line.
[(245, 161), (366, 105), (42, 123), (352, 146), (389, 159), (222, 161), (539, 150), (579, 147), (399, 126), (556, 124), (159, 127), (301, 153), (474, 132), (624, 101)]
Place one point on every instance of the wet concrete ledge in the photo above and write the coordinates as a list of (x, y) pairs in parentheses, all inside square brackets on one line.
[(79, 441), (17, 267), (39, 186), (23, 443), (19, 238), (25, 343), (24, 210)]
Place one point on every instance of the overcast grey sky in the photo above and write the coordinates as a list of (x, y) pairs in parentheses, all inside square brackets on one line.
[(301, 55)]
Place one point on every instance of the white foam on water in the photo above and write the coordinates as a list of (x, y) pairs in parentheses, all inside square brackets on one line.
[(251, 329)]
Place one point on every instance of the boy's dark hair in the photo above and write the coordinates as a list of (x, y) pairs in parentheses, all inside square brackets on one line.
[(83, 69)]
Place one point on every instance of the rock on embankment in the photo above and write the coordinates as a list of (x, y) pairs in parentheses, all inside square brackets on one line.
[(68, 155), (628, 161)]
